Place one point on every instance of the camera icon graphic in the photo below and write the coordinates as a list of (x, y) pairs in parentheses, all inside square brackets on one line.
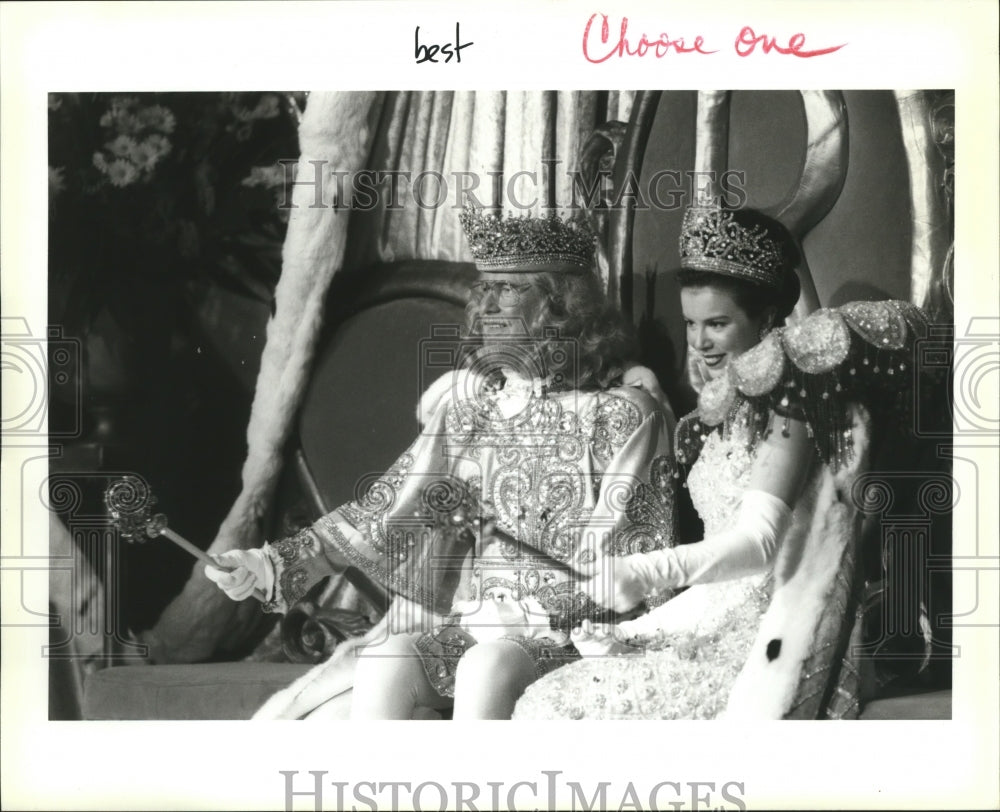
[(965, 371), (547, 359), (37, 371)]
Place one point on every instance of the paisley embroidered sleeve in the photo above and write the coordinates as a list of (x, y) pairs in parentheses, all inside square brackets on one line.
[(635, 509), (299, 562), (629, 505), (409, 521)]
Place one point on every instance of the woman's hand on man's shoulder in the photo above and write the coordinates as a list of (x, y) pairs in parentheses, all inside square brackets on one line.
[(645, 380)]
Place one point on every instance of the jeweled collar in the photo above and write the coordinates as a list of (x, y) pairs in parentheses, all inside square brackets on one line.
[(820, 345), (858, 352)]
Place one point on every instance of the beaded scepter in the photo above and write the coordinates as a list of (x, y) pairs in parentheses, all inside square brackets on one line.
[(129, 503)]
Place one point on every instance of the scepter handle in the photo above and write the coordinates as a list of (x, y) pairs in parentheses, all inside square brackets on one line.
[(184, 544), (201, 555)]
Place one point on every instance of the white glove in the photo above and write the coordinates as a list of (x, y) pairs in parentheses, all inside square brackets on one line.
[(748, 547), (601, 640), (645, 378), (248, 570), (698, 374)]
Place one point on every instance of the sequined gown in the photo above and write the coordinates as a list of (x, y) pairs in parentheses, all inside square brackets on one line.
[(556, 469), (703, 634)]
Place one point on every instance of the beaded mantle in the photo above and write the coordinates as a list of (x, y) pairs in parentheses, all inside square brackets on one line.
[(860, 352)]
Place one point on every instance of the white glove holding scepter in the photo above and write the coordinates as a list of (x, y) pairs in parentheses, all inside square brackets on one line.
[(238, 572)]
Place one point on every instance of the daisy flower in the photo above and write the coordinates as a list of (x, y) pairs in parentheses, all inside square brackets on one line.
[(121, 147), (147, 154), (121, 172), (120, 116), (160, 144), (158, 117)]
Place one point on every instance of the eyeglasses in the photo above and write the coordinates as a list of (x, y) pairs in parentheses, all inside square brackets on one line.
[(507, 293)]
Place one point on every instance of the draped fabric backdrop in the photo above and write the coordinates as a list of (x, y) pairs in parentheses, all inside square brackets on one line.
[(473, 140), (447, 132)]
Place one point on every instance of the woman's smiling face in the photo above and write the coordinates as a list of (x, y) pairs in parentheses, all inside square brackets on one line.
[(717, 327)]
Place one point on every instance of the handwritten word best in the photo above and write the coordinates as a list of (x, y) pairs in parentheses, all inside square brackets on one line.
[(444, 52), (600, 45)]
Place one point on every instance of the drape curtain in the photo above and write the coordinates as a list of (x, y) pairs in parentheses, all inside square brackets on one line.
[(927, 124), (444, 144), (405, 132)]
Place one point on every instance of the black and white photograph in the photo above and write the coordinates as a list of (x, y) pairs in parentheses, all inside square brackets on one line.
[(355, 413)]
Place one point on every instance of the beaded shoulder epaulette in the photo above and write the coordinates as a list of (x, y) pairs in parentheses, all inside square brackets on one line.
[(861, 352)]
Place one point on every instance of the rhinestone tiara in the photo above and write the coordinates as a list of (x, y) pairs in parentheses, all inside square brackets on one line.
[(712, 240), (524, 244)]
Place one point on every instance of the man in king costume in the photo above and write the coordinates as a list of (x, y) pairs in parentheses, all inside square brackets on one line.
[(534, 460)]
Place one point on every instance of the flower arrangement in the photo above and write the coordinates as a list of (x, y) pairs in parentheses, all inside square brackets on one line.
[(188, 182), (140, 140)]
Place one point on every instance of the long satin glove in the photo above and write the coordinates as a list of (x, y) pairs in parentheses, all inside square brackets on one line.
[(249, 569), (747, 548)]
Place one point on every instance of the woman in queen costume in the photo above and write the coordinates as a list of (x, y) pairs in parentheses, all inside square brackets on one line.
[(768, 623), (534, 433)]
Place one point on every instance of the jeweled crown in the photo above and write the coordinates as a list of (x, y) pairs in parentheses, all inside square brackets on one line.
[(712, 240), (524, 244)]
